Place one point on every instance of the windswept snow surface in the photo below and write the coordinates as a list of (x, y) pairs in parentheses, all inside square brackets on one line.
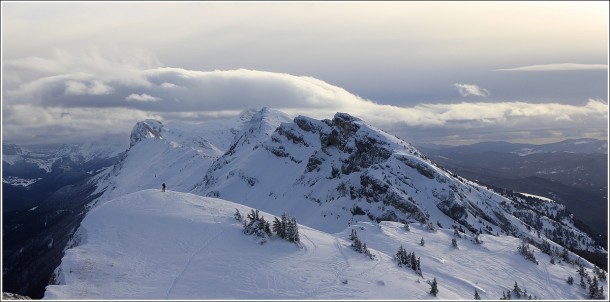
[(171, 245)]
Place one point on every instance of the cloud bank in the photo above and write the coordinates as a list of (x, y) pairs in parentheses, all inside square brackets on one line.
[(71, 103)]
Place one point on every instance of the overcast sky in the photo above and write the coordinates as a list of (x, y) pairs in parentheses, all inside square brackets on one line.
[(429, 72)]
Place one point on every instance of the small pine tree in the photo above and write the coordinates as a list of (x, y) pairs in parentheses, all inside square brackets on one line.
[(454, 243), (476, 295), (401, 256), (257, 226), (434, 287), (407, 228), (293, 231), (525, 250), (565, 255), (365, 250), (581, 271), (596, 292), (422, 242), (582, 282), (593, 288), (353, 235), (517, 290), (600, 294), (238, 216), (278, 227), (412, 261), (360, 246), (570, 280)]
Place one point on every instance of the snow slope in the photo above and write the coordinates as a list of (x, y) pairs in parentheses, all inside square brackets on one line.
[(177, 154), (154, 245)]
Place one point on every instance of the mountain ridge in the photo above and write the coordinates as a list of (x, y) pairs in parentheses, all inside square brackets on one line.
[(331, 174)]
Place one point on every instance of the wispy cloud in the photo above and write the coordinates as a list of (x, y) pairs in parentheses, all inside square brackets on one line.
[(141, 98), (83, 88), (558, 67), (470, 89)]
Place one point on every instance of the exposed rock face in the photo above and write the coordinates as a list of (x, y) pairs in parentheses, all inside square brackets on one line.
[(346, 170)]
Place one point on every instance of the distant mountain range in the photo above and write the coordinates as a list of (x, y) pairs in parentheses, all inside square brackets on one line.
[(574, 172), (581, 145)]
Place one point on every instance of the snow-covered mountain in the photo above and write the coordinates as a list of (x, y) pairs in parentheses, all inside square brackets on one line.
[(333, 176), (153, 245), (332, 173), (177, 154)]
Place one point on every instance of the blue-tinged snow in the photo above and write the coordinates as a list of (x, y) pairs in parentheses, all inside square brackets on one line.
[(172, 245)]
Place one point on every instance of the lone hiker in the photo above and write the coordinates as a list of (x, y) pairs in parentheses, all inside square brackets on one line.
[(163, 187)]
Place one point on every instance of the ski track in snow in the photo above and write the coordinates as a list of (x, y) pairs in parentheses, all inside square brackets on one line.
[(190, 259)]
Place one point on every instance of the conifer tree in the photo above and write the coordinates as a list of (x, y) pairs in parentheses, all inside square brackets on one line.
[(581, 271), (400, 256), (600, 294), (596, 292), (353, 235), (476, 295), (278, 227), (238, 216), (517, 290), (293, 230), (359, 246), (434, 287), (422, 242)]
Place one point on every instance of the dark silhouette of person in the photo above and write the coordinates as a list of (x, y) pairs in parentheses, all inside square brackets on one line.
[(163, 187)]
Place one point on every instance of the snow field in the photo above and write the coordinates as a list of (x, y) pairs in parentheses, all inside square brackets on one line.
[(154, 245)]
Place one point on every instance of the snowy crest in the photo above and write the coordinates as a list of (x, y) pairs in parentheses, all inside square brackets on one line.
[(260, 125), (144, 130)]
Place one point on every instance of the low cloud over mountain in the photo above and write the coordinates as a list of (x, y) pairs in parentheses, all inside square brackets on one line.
[(60, 101)]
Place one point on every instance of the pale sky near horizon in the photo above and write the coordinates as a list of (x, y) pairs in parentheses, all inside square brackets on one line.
[(429, 72)]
